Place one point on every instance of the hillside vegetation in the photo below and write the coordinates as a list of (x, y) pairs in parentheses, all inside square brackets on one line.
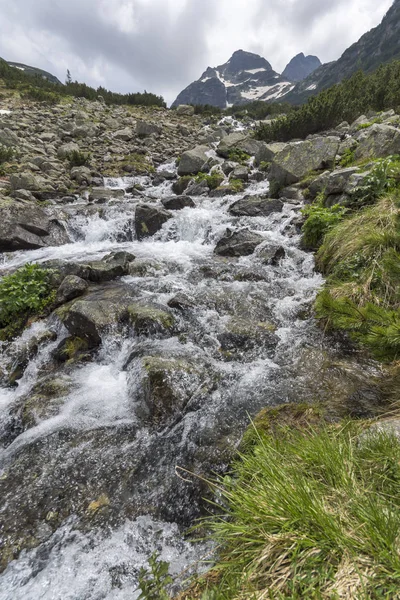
[(35, 87), (342, 102)]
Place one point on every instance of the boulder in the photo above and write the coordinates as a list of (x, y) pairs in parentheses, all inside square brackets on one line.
[(27, 181), (230, 142), (177, 202), (185, 110), (144, 128), (333, 182), (377, 141), (94, 315), (297, 159), (181, 302), (27, 227), (66, 149), (81, 175), (238, 243), (8, 138), (71, 287), (149, 219), (150, 319), (124, 134), (193, 161), (254, 206), (100, 193), (179, 186), (244, 335), (272, 254), (240, 172)]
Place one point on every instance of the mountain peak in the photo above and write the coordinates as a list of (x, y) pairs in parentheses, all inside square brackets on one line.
[(300, 67)]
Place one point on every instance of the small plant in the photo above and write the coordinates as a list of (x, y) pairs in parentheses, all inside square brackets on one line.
[(213, 181), (264, 166), (236, 185), (25, 293), (319, 220), (76, 158), (237, 155), (348, 158), (6, 154), (382, 178), (153, 582)]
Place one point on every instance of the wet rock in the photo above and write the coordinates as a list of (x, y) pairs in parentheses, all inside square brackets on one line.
[(179, 186), (166, 387), (149, 219), (292, 193), (238, 243), (100, 310), (241, 173), (44, 400), (150, 319), (81, 175), (72, 287), (255, 206), (70, 348), (178, 202), (27, 227), (272, 254), (181, 302), (105, 194), (298, 159), (185, 110), (144, 128), (243, 335), (193, 161)]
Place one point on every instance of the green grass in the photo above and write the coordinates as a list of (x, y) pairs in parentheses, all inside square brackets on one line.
[(310, 514), (24, 294), (320, 220), (237, 155), (213, 180), (361, 257)]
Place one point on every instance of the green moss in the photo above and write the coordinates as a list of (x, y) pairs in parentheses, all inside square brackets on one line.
[(213, 181), (147, 319), (237, 155)]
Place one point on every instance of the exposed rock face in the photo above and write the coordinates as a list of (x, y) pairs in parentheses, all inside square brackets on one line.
[(244, 78), (377, 46), (378, 141), (300, 67), (238, 243), (27, 227), (298, 159), (149, 219)]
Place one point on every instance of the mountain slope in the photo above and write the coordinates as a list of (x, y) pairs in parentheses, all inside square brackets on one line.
[(378, 46), (34, 71), (300, 67), (244, 78)]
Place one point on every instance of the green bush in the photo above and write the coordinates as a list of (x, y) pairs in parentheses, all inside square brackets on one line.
[(6, 154), (76, 158), (319, 220), (310, 514), (40, 95), (348, 158), (25, 293), (237, 155), (213, 181), (153, 582)]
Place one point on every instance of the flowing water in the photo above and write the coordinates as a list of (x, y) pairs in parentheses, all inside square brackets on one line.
[(93, 445)]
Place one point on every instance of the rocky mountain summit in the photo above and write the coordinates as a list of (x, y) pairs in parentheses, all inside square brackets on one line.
[(378, 46), (300, 67), (244, 78)]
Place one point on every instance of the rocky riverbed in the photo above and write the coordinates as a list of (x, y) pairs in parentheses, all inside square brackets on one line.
[(182, 308)]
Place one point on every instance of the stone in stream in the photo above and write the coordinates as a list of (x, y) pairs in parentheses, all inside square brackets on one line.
[(255, 206), (244, 335), (178, 202), (150, 319), (238, 243), (181, 302), (272, 254), (105, 194), (26, 226), (194, 161), (70, 288), (149, 219)]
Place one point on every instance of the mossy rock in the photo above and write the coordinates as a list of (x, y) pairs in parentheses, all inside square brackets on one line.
[(150, 320)]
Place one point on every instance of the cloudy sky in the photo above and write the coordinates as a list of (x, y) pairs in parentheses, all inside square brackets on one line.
[(163, 45)]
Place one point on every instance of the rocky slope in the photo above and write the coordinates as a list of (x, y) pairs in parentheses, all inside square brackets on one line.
[(376, 47), (180, 305), (244, 78)]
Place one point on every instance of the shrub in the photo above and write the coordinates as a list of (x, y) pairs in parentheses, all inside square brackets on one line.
[(213, 180), (237, 155), (25, 293), (40, 95), (348, 158), (153, 582), (6, 154), (76, 158), (319, 220), (236, 185), (313, 514)]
